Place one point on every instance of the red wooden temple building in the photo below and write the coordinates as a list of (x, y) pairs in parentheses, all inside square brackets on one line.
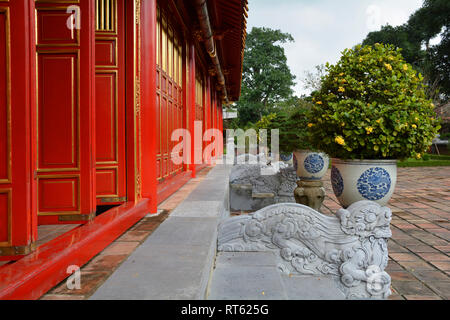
[(90, 93)]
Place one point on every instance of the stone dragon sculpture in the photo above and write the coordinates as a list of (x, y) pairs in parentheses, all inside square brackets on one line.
[(351, 247)]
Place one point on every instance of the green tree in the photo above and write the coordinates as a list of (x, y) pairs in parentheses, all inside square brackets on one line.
[(433, 61), (267, 79), (401, 37), (438, 69), (291, 121), (430, 21)]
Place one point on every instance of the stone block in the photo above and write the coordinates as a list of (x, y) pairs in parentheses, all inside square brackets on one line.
[(185, 231), (246, 283), (312, 288)]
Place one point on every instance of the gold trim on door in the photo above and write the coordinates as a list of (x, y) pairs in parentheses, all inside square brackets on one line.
[(9, 193), (8, 99), (76, 193), (43, 45), (116, 111), (106, 16), (76, 133)]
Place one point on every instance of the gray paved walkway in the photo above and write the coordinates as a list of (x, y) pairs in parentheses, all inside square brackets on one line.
[(255, 276), (175, 262)]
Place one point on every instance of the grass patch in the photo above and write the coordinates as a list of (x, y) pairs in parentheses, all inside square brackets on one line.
[(436, 157), (431, 161)]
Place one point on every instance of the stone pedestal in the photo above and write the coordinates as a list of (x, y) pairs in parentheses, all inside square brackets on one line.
[(310, 193)]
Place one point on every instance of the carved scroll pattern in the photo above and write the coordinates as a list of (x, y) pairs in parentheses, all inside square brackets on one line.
[(351, 246)]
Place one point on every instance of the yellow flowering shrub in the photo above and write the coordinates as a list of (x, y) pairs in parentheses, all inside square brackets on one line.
[(339, 140), (373, 106)]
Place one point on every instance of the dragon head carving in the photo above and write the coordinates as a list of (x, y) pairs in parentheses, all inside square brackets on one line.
[(366, 219)]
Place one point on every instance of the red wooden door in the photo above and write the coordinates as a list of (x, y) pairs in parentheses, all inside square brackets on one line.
[(169, 92), (64, 168), (18, 221), (200, 110), (110, 101), (5, 130)]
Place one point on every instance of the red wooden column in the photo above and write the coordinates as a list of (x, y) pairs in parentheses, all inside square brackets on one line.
[(217, 111), (213, 112), (18, 220), (220, 127), (186, 105), (134, 190), (215, 120), (149, 114), (208, 107), (213, 107), (192, 105)]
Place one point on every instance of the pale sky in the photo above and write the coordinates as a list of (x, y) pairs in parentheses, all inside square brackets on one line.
[(324, 28)]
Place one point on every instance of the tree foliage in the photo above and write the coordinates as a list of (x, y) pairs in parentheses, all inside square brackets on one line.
[(430, 21), (291, 121), (401, 38), (267, 79)]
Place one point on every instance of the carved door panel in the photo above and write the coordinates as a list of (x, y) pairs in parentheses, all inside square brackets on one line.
[(64, 111), (169, 92), (110, 102)]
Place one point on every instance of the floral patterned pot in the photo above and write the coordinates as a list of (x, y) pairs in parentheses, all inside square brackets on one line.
[(287, 158), (311, 165), (356, 180)]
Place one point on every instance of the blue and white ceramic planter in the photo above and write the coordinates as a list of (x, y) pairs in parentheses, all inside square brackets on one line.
[(356, 180), (287, 158), (311, 165)]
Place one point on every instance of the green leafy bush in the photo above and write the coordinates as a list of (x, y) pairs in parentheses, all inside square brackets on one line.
[(426, 157), (445, 136), (372, 105), (292, 124)]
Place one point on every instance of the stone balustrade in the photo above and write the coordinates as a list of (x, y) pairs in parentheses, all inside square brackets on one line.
[(350, 247)]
